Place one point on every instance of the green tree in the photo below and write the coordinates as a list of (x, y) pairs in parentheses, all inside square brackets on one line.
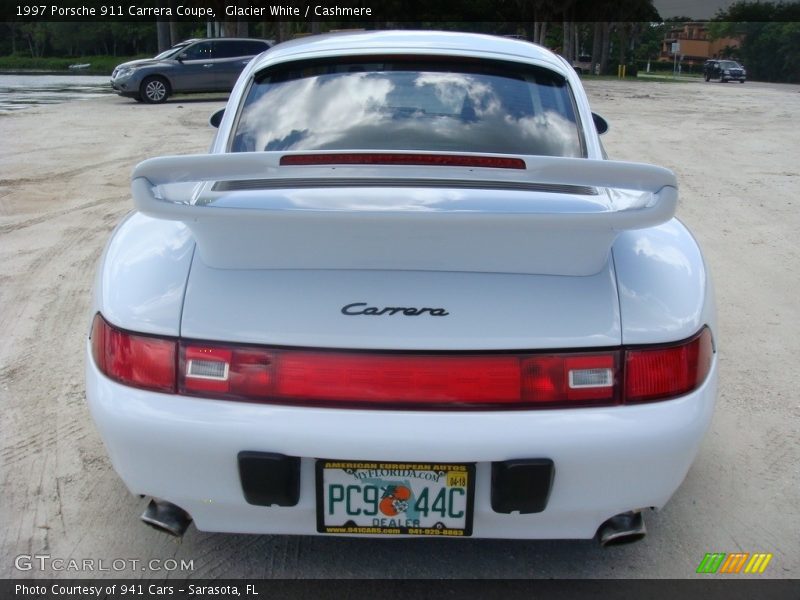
[(770, 34), (36, 37)]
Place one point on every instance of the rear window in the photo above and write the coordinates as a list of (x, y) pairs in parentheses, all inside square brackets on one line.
[(409, 104)]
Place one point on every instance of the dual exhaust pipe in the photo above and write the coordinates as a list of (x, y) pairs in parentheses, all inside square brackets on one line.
[(623, 528), (166, 517)]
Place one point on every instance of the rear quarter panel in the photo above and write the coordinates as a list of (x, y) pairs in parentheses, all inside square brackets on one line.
[(665, 292), (142, 275)]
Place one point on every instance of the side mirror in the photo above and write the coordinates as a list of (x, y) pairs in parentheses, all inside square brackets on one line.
[(182, 57), (215, 119), (600, 123)]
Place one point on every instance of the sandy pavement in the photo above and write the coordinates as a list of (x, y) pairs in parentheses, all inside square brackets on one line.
[(64, 185)]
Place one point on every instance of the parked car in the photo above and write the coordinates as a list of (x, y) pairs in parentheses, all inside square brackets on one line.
[(199, 65), (724, 70), (404, 294)]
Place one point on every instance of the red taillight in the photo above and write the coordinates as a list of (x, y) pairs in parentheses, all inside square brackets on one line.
[(668, 371), (388, 158), (399, 380), (136, 360), (391, 380), (572, 379)]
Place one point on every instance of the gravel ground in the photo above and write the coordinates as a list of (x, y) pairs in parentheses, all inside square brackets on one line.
[(64, 185)]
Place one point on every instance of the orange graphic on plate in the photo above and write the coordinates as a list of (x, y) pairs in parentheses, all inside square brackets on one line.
[(394, 500)]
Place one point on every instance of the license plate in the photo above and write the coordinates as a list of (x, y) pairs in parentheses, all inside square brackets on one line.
[(378, 498)]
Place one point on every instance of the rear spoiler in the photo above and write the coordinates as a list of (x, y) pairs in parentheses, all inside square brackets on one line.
[(647, 211), (530, 210)]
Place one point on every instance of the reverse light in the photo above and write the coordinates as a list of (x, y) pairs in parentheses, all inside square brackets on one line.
[(591, 378), (402, 380), (552, 378), (206, 369)]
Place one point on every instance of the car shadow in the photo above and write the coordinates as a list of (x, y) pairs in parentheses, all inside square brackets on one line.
[(195, 99)]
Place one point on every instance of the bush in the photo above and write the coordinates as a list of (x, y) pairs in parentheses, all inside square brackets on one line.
[(99, 65), (665, 68)]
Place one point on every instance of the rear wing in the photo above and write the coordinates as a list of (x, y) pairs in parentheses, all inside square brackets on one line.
[(261, 213)]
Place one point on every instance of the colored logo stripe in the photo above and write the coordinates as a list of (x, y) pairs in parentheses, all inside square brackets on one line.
[(720, 562), (711, 562), (758, 563), (735, 562)]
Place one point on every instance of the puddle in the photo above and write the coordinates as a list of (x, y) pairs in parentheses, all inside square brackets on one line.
[(23, 91)]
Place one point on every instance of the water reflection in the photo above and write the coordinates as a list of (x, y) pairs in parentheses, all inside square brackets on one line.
[(23, 91)]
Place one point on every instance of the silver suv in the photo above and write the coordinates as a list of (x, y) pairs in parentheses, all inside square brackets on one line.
[(199, 65)]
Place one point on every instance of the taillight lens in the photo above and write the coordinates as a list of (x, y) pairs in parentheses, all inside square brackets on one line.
[(398, 380), (668, 371), (132, 359), (382, 378), (402, 380), (571, 379)]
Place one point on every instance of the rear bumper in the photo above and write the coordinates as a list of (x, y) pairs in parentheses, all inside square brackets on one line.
[(607, 460)]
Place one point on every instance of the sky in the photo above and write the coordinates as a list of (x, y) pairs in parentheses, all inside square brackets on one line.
[(696, 9)]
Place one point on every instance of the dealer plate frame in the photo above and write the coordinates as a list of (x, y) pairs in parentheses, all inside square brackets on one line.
[(447, 469)]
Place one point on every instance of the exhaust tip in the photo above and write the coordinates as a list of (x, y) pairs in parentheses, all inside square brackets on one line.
[(166, 517), (624, 528)]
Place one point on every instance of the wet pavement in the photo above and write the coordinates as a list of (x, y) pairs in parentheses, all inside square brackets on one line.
[(19, 91)]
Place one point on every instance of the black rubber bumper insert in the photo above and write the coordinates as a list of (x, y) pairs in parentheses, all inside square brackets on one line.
[(269, 479), (522, 485)]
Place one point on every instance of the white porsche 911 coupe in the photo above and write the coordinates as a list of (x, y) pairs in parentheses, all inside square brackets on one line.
[(404, 294)]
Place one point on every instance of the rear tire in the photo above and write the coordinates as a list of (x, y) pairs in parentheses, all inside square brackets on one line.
[(708, 77), (154, 90)]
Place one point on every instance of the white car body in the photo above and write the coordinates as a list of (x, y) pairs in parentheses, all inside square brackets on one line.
[(295, 267)]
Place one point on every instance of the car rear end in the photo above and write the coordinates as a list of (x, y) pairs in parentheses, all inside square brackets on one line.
[(404, 296)]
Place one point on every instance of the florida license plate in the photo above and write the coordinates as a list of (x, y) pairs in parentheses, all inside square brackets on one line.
[(377, 498)]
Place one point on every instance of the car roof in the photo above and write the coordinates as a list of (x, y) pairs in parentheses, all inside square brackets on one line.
[(222, 39), (413, 42)]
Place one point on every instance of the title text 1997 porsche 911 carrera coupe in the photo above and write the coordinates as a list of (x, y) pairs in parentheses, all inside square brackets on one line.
[(404, 294)]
